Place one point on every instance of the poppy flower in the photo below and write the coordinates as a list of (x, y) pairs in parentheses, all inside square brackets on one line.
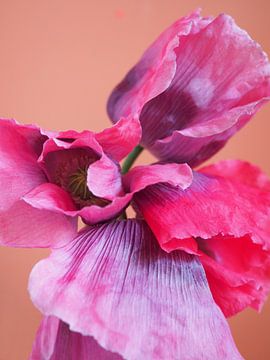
[(49, 179), (113, 282), (194, 87), (153, 287)]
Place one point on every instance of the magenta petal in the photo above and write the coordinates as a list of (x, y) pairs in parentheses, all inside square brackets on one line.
[(19, 147), (119, 140), (104, 178), (212, 205), (114, 282), (55, 341), (240, 171), (238, 272), (24, 226), (140, 177)]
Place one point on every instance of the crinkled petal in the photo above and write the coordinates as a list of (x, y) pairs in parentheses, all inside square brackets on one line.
[(24, 226), (212, 205), (104, 178), (241, 171), (119, 140), (19, 172), (55, 341), (114, 282), (140, 177), (237, 270)]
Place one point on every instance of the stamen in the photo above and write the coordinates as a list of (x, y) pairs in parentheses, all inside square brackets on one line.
[(77, 186)]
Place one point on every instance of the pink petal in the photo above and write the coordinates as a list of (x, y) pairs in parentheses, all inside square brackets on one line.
[(238, 272), (104, 178), (212, 205), (198, 84), (24, 226), (85, 142), (140, 177), (119, 140), (50, 197), (55, 341), (19, 172), (113, 282)]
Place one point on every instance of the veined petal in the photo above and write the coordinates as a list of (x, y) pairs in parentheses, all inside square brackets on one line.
[(119, 140), (55, 341), (25, 226), (114, 282), (212, 205)]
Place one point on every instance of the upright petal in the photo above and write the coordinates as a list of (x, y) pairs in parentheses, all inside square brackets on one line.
[(119, 140), (113, 282), (55, 341)]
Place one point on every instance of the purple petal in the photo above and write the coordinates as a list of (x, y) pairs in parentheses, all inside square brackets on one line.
[(113, 282)]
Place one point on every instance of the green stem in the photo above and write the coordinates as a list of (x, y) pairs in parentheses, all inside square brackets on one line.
[(131, 158)]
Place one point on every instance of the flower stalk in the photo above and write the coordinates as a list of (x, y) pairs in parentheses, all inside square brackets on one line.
[(131, 158)]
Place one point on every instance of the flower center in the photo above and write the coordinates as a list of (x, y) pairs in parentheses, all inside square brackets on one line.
[(77, 187), (77, 184)]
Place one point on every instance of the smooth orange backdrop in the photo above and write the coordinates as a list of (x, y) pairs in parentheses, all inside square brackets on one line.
[(59, 59)]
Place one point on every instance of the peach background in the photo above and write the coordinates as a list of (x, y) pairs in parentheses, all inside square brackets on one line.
[(59, 60)]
